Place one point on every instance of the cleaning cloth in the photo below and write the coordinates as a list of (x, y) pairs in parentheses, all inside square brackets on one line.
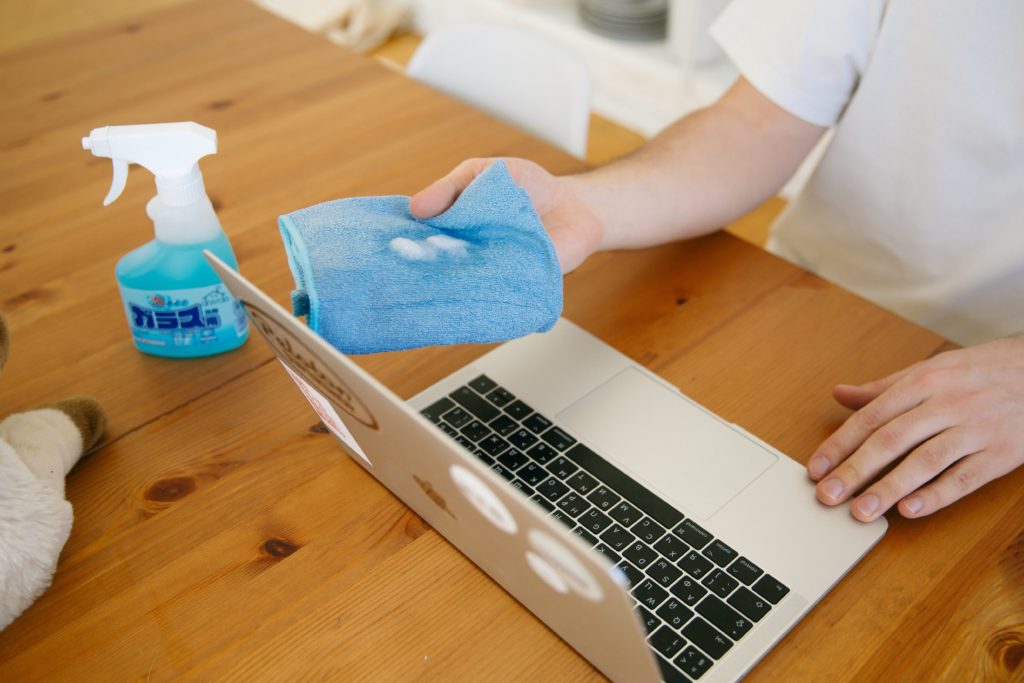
[(371, 277)]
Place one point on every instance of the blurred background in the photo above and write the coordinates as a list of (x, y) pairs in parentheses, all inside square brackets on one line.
[(645, 62)]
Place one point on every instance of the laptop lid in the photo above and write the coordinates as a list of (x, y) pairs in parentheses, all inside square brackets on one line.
[(571, 588)]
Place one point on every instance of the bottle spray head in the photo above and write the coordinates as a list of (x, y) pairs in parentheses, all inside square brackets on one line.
[(170, 151)]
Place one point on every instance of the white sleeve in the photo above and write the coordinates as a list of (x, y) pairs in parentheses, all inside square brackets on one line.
[(807, 56)]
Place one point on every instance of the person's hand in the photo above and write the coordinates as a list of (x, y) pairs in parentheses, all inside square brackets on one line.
[(573, 228), (953, 423)]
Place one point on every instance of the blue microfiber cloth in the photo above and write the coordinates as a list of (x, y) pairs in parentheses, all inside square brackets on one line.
[(371, 277)]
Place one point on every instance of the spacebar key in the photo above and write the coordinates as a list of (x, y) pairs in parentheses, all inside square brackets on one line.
[(662, 512)]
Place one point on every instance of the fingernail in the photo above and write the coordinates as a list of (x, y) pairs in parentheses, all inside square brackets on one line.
[(832, 488), (867, 504), (913, 505), (819, 465)]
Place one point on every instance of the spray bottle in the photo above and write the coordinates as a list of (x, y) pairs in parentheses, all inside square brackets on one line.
[(175, 303)]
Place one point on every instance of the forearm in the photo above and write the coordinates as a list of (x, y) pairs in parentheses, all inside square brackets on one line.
[(701, 173)]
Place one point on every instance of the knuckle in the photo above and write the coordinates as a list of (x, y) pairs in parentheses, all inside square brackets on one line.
[(963, 480), (933, 456), (890, 438), (871, 417)]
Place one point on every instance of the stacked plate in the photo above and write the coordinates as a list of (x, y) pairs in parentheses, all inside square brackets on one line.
[(626, 19)]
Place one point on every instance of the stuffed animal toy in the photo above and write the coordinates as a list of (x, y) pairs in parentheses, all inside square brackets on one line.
[(37, 449)]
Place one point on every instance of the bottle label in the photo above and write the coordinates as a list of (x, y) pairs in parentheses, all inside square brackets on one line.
[(184, 318)]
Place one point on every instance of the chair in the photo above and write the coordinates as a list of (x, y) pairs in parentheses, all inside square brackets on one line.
[(513, 75)]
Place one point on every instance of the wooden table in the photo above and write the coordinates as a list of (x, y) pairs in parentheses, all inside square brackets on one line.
[(221, 533)]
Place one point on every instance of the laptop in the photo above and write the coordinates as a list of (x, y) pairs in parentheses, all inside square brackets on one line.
[(657, 539)]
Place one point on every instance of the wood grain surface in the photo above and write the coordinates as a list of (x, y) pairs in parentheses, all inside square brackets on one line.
[(220, 533)]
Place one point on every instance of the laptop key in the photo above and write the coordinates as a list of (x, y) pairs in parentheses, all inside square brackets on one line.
[(582, 482), (522, 438), (533, 474), (595, 521), (617, 537), (574, 504), (536, 423), (494, 445), (675, 613), (465, 443), (518, 410), (483, 384), (563, 518), (437, 408), (720, 583), (660, 511), (603, 548), (693, 533), (750, 604), (688, 590), (500, 397), (503, 471), (542, 501), (603, 498), (542, 453), (625, 514), (457, 417), (649, 594), (695, 564), (694, 662), (474, 403), (729, 621), (647, 618), (552, 489), (671, 547), (639, 554), (707, 637), (475, 430), (771, 589), (648, 530), (557, 438), (504, 425), (664, 572), (669, 673), (448, 429), (484, 456), (522, 486), (561, 467), (745, 570), (719, 553), (633, 575), (511, 458), (667, 641), (590, 538)]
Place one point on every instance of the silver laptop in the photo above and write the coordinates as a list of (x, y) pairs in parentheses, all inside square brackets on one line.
[(658, 540)]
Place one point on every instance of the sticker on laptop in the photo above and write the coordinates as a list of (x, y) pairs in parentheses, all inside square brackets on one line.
[(306, 361), (327, 414)]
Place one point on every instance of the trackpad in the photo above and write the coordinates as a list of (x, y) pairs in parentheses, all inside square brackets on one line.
[(675, 448)]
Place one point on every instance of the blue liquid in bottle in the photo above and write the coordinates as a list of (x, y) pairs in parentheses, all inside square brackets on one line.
[(176, 305)]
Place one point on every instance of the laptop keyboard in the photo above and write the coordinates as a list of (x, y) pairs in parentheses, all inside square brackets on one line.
[(695, 594)]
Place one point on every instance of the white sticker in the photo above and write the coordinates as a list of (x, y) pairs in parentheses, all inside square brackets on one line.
[(561, 560), (483, 499), (328, 414)]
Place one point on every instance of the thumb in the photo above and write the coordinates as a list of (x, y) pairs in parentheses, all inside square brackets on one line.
[(440, 195)]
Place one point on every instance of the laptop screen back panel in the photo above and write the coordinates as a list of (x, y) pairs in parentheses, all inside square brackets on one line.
[(567, 585)]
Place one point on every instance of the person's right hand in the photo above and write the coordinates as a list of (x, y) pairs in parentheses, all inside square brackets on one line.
[(574, 229)]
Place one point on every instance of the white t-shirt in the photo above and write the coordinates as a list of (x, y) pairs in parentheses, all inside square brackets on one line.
[(918, 202)]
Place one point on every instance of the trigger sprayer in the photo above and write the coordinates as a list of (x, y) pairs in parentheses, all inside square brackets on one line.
[(175, 303)]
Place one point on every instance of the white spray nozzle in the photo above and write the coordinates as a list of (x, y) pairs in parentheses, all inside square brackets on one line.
[(170, 151)]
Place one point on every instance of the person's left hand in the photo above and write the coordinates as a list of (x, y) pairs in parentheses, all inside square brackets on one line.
[(953, 423)]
